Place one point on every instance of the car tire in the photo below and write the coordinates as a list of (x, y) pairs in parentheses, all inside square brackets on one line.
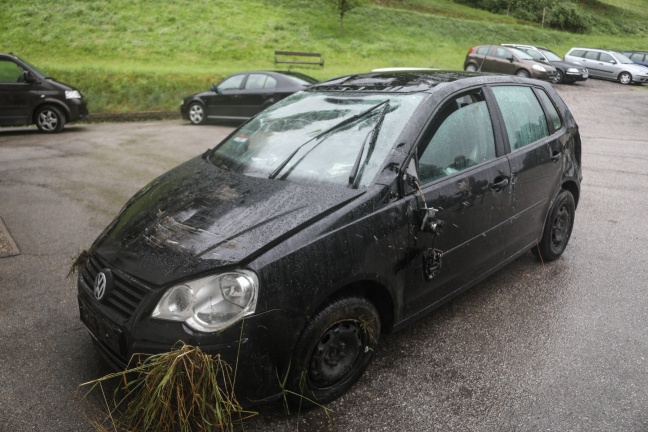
[(557, 229), (560, 77), (625, 78), (471, 68), (196, 113), (49, 119), (522, 73), (333, 351)]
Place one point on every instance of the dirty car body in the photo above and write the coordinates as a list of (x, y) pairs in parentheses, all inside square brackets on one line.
[(345, 211)]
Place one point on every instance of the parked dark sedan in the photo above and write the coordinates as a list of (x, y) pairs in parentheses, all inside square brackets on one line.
[(243, 95), (28, 96), (507, 60), (345, 211), (566, 72), (638, 57)]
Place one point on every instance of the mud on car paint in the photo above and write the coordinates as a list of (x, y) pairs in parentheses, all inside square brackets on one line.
[(342, 212)]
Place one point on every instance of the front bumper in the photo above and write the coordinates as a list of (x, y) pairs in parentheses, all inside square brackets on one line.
[(78, 109), (257, 348)]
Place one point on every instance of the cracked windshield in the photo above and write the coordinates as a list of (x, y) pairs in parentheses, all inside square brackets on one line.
[(319, 138)]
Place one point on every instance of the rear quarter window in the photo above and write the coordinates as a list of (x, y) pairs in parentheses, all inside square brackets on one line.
[(577, 53)]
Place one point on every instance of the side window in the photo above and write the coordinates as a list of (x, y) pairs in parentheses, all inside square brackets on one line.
[(578, 53), (551, 109), (523, 116), (462, 137), (482, 50), (592, 55), (606, 58), (255, 81), (10, 72), (270, 83), (502, 53), (231, 83), (636, 57)]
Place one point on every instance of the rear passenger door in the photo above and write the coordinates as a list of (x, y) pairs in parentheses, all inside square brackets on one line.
[(463, 174), (536, 158), (257, 93)]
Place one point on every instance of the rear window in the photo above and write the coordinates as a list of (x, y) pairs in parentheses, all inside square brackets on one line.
[(524, 118)]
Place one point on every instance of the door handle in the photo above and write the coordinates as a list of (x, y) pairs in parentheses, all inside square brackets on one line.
[(555, 156), (499, 184)]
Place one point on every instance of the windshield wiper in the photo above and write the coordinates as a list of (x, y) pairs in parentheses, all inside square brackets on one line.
[(372, 144), (328, 131)]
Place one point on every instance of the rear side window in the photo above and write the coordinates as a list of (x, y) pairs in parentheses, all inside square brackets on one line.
[(10, 72), (523, 116), (592, 55), (578, 53), (606, 57), (550, 107), (462, 137), (482, 50)]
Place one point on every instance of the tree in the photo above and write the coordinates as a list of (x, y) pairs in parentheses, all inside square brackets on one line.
[(344, 6)]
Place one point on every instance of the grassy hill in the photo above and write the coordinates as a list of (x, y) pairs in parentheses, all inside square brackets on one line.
[(129, 55)]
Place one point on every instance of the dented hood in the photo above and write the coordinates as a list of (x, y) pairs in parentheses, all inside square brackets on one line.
[(197, 217)]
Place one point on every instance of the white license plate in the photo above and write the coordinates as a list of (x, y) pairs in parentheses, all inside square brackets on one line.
[(585, 75)]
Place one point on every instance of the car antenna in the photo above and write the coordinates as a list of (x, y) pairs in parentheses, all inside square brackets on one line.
[(484, 59)]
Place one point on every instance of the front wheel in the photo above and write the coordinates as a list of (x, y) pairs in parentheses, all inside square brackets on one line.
[(196, 113), (522, 73), (625, 78), (560, 77), (49, 119), (558, 228), (334, 350)]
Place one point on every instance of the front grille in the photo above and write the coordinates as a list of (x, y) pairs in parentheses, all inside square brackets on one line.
[(127, 293)]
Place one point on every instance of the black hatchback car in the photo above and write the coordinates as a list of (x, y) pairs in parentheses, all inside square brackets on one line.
[(345, 211), (242, 95), (28, 96)]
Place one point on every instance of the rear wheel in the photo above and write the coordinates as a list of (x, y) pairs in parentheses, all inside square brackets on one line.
[(625, 78), (522, 73), (49, 119), (334, 350), (558, 228), (471, 68)]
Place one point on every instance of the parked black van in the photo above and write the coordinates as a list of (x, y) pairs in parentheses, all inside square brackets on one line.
[(28, 96)]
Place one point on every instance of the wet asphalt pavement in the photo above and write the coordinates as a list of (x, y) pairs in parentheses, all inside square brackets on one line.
[(560, 347)]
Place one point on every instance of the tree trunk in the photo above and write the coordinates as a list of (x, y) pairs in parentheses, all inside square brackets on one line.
[(341, 18)]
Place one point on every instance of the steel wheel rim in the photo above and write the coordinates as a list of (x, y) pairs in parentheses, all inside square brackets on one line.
[(560, 227), (196, 113), (336, 354), (48, 120)]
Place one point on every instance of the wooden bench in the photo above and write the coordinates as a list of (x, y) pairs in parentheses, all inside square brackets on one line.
[(277, 54)]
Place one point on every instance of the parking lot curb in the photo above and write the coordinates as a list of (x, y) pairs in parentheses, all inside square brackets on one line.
[(132, 116), (7, 245)]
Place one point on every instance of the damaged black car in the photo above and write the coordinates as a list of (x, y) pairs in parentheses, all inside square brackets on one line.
[(341, 213)]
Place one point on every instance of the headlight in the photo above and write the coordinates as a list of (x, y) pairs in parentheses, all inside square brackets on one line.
[(212, 303), (539, 68), (572, 70), (72, 94)]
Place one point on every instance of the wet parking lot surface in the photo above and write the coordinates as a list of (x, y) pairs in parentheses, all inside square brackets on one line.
[(560, 347)]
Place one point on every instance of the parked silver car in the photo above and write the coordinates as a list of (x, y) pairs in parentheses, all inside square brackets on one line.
[(608, 65)]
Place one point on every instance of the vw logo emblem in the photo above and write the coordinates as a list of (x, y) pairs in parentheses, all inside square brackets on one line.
[(102, 284)]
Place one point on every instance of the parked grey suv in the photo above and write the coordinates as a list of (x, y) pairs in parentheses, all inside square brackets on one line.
[(567, 72), (608, 65)]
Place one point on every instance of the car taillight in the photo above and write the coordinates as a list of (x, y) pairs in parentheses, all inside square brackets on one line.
[(471, 50)]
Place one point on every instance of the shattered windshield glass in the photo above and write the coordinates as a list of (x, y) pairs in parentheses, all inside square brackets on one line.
[(319, 137)]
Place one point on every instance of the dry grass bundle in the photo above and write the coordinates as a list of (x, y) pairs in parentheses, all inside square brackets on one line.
[(182, 390)]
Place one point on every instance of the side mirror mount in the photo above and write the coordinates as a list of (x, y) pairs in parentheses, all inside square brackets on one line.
[(511, 59), (27, 77)]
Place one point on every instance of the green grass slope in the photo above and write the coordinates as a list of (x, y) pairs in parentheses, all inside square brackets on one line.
[(130, 55)]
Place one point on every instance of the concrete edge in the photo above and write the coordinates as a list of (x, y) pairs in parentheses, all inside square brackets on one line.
[(8, 246), (131, 117)]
